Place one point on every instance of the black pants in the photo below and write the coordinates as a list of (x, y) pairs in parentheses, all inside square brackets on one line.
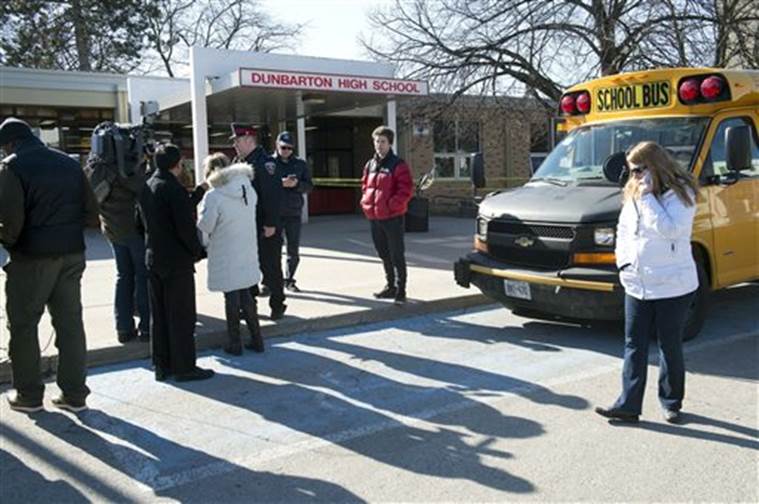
[(387, 235), (236, 303), (31, 285), (291, 227), (270, 261), (172, 326)]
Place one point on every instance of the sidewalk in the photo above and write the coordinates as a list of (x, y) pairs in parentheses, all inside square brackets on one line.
[(338, 273)]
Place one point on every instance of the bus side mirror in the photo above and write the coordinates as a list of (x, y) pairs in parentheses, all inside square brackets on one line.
[(478, 171), (738, 148), (615, 168)]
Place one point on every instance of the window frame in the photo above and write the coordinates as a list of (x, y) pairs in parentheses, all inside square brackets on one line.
[(712, 177), (460, 157)]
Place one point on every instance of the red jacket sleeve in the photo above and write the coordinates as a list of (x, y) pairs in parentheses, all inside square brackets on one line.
[(403, 188)]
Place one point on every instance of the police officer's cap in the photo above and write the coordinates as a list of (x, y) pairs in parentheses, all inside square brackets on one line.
[(285, 138), (13, 129), (241, 130)]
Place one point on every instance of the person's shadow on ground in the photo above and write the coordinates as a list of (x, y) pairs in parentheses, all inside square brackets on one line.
[(168, 469)]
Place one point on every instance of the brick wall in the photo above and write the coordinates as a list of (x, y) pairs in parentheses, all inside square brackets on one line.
[(504, 133)]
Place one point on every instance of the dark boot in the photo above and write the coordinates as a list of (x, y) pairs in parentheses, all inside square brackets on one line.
[(250, 312), (233, 346)]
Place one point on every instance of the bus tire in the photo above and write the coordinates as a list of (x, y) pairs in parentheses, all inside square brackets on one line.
[(699, 306)]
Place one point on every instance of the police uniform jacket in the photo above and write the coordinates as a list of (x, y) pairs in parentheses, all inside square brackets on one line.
[(268, 188), (292, 197), (45, 202)]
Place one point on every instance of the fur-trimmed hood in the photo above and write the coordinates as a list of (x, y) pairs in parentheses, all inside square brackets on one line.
[(222, 177)]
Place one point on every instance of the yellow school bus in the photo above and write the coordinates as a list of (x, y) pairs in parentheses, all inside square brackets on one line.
[(548, 247)]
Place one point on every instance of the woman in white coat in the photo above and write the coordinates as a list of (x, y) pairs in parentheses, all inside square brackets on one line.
[(227, 219), (658, 273)]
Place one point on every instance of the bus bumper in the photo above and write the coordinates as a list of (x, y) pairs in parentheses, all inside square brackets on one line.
[(572, 293)]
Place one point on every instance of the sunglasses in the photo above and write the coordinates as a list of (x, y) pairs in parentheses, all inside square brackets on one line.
[(285, 147), (637, 170)]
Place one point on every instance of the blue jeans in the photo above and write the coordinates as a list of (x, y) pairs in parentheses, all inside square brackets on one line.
[(665, 319), (131, 285)]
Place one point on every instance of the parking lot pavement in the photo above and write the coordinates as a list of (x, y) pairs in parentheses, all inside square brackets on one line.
[(471, 405)]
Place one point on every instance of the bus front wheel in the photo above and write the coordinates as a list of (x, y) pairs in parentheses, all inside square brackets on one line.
[(699, 305)]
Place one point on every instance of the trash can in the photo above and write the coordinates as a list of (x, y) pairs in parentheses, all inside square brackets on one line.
[(418, 215)]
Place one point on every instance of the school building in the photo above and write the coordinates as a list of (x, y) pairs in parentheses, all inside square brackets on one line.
[(330, 105)]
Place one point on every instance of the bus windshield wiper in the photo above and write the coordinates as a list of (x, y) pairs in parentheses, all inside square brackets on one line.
[(550, 180)]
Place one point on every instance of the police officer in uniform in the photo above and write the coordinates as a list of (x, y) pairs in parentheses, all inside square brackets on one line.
[(268, 188), (296, 181), (45, 203)]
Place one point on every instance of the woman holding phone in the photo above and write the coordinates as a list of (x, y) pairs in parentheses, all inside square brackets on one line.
[(658, 273)]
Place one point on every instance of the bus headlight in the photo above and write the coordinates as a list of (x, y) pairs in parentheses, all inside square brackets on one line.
[(482, 228), (604, 236)]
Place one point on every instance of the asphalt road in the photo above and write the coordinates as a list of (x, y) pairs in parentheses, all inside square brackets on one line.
[(477, 405)]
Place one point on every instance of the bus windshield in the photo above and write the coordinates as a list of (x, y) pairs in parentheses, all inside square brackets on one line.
[(580, 156)]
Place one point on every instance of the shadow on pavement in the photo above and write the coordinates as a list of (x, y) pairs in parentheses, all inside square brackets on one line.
[(35, 487), (461, 378), (169, 469), (366, 413)]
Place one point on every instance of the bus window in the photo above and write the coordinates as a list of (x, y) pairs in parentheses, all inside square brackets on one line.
[(715, 163)]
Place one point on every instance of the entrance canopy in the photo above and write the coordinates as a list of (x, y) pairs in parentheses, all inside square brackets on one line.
[(273, 89)]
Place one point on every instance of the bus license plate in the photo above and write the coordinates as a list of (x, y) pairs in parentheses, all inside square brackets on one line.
[(517, 289)]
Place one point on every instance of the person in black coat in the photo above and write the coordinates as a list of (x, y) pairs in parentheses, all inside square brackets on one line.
[(268, 187), (173, 248), (296, 181), (45, 204)]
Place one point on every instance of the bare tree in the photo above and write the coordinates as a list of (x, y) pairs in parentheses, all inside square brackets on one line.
[(224, 24), (464, 46)]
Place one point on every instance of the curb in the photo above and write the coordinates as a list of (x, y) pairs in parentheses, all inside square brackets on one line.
[(214, 339)]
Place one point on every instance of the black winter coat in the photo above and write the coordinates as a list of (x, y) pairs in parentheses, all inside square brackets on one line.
[(166, 214), (46, 202)]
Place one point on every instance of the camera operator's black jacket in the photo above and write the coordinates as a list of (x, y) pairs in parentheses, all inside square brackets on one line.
[(117, 210), (292, 197), (268, 188), (166, 215), (45, 202)]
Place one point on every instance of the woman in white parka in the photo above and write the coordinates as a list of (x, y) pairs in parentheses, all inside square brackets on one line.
[(658, 273), (227, 219)]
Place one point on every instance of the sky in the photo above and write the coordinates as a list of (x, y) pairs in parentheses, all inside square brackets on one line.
[(333, 25)]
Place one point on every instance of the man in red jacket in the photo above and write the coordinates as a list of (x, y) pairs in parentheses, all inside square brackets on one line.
[(386, 189)]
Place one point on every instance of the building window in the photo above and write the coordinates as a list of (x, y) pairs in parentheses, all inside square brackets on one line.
[(456, 143)]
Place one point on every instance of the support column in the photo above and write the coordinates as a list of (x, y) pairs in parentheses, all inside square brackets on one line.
[(199, 115), (302, 152), (391, 112)]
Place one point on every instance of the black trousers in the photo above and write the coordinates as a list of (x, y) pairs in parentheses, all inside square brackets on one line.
[(236, 303), (270, 261), (172, 326), (32, 285), (387, 235), (291, 227)]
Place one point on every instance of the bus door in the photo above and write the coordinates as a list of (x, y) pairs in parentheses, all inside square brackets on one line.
[(734, 207)]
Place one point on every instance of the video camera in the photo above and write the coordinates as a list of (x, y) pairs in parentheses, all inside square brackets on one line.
[(125, 146), (121, 150)]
